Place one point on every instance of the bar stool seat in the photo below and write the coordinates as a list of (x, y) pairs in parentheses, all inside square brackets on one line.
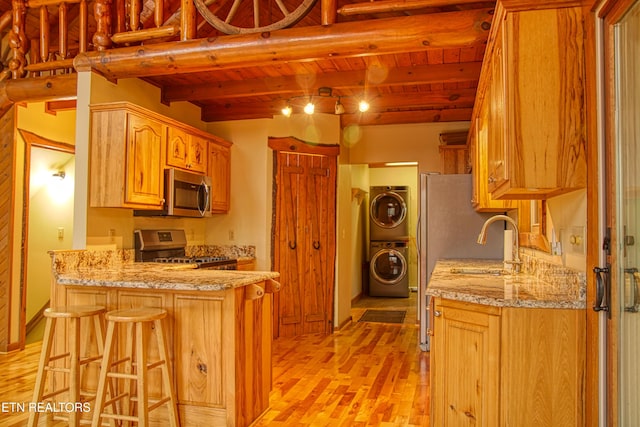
[(47, 361), (134, 366)]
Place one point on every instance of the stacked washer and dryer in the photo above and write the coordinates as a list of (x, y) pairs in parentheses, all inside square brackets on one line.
[(389, 241)]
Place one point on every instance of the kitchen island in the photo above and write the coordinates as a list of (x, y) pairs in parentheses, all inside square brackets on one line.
[(506, 349), (218, 328)]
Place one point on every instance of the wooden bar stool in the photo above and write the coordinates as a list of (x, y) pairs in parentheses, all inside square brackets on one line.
[(134, 367), (76, 361)]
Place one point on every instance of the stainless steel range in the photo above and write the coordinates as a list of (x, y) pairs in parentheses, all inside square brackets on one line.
[(168, 246)]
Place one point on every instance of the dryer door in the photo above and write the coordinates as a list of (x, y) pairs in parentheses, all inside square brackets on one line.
[(388, 266), (388, 209)]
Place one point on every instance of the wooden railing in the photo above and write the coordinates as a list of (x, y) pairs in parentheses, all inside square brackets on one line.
[(122, 25), (46, 57)]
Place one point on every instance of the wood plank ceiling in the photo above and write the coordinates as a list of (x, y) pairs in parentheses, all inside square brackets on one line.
[(426, 85)]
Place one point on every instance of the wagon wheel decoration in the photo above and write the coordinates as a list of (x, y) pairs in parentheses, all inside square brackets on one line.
[(229, 16)]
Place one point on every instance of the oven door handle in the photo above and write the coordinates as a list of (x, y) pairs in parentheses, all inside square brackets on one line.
[(203, 188)]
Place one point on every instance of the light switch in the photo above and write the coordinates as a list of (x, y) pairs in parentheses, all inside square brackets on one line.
[(576, 243), (60, 233)]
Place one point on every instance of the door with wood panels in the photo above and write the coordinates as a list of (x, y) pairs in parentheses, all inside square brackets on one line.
[(304, 236), (617, 296)]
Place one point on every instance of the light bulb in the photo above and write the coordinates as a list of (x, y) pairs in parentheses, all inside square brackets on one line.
[(309, 108), (363, 106), (286, 111)]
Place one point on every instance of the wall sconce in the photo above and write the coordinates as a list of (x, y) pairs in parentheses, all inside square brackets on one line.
[(286, 111), (60, 175), (363, 106)]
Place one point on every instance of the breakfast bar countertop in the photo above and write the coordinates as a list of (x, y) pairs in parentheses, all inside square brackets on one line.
[(150, 275), (478, 281)]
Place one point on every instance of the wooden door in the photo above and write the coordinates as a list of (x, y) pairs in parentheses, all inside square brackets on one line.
[(616, 297), (304, 238)]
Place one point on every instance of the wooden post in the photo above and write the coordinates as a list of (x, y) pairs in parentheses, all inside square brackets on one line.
[(44, 33), (63, 30), (102, 13), (328, 11), (187, 20), (18, 39), (83, 28)]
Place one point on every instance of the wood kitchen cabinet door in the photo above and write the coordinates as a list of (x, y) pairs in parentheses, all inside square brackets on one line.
[(186, 151), (304, 237), (144, 161), (533, 89), (465, 365), (220, 173), (125, 158), (544, 104)]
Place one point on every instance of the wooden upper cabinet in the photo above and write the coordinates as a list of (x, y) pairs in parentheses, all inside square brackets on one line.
[(186, 151), (126, 159), (144, 165), (220, 173), (478, 146), (131, 147), (536, 97)]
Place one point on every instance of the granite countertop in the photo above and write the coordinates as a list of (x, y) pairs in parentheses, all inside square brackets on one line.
[(501, 290), (149, 275)]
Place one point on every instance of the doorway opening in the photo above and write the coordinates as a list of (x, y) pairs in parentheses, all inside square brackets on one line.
[(47, 224)]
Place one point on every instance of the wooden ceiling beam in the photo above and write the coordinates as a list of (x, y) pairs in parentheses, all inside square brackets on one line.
[(400, 117), (373, 37), (400, 102), (307, 84), (384, 6)]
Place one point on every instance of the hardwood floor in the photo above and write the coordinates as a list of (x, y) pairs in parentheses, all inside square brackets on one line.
[(367, 374)]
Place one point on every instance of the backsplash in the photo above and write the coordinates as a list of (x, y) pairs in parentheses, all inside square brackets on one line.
[(230, 251), (68, 260), (554, 274)]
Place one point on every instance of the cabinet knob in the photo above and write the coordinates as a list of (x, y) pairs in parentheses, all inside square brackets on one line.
[(437, 313)]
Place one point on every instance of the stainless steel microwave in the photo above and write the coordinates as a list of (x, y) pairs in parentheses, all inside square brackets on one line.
[(186, 194)]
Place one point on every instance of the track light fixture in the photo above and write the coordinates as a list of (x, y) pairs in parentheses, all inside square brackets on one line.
[(311, 104), (286, 111), (310, 107), (339, 108)]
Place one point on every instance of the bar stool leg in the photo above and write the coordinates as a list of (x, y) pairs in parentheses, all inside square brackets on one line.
[(143, 378), (127, 407), (166, 376), (104, 368), (74, 368), (45, 354)]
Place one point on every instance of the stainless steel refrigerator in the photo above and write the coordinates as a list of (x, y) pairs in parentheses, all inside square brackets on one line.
[(448, 227)]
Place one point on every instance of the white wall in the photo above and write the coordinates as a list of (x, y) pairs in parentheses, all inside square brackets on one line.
[(396, 143)]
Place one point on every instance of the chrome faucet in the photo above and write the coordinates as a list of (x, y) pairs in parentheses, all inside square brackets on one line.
[(482, 239)]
